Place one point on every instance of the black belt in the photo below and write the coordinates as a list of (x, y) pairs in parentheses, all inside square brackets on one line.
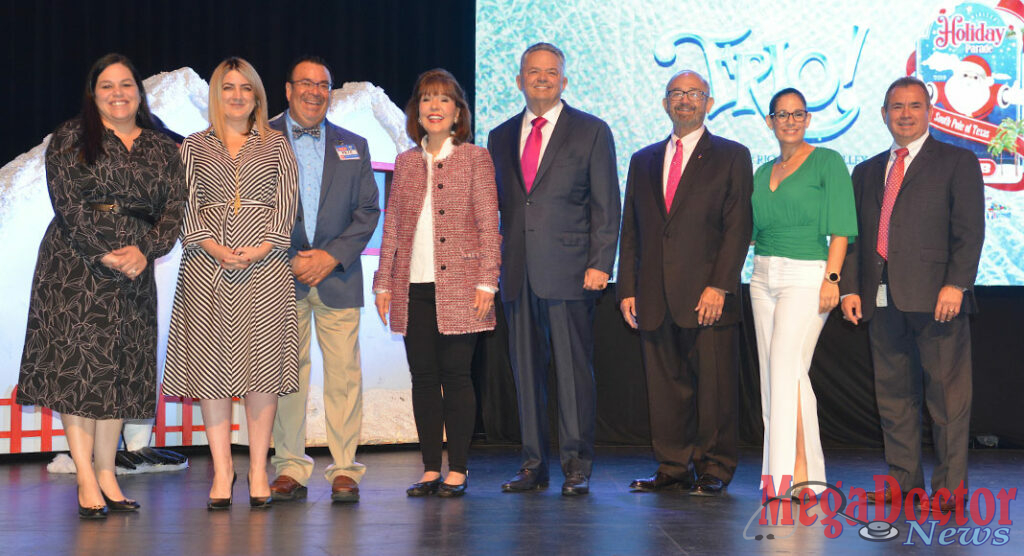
[(118, 209)]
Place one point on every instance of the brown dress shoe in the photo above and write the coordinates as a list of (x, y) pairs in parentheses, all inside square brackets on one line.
[(886, 498), (285, 488), (938, 507), (344, 489)]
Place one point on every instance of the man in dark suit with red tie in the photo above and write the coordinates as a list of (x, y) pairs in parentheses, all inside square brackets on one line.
[(558, 193), (686, 229), (921, 213)]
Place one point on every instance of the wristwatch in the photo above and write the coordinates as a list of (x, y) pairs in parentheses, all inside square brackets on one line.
[(832, 277)]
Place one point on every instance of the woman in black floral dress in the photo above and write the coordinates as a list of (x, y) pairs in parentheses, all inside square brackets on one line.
[(118, 191)]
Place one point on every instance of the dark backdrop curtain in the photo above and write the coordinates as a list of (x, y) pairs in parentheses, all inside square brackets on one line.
[(841, 375), (50, 45)]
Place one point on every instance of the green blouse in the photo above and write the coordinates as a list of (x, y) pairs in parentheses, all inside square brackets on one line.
[(812, 203)]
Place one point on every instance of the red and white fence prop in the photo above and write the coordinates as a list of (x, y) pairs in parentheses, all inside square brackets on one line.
[(27, 429)]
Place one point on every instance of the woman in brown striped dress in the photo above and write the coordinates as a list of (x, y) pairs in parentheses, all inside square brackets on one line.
[(233, 329)]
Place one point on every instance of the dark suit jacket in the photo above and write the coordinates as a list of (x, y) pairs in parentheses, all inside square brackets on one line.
[(345, 221), (935, 233), (702, 240), (570, 219)]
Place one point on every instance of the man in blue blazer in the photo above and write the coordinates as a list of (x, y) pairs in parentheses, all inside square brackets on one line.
[(558, 193), (337, 215), (921, 211)]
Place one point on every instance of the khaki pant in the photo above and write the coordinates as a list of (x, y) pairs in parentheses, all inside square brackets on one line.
[(337, 332)]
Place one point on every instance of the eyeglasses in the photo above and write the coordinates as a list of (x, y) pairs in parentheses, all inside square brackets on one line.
[(695, 95), (306, 84), (798, 115)]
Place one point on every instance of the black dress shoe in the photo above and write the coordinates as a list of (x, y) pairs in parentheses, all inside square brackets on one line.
[(662, 481), (214, 504), (126, 505), (575, 484), (445, 490), (525, 479), (708, 485), (425, 488)]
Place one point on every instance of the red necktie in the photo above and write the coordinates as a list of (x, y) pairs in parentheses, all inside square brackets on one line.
[(892, 189), (531, 152), (675, 172)]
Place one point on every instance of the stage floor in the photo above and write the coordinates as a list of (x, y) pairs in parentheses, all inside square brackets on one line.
[(38, 516)]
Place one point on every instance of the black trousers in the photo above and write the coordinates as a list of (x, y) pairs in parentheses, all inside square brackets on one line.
[(917, 360), (693, 396), (442, 386)]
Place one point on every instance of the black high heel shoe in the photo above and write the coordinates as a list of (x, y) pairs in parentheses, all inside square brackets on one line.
[(425, 488), (258, 502), (446, 490), (214, 504), (125, 505), (95, 512)]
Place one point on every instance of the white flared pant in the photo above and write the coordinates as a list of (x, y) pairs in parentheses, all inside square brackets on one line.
[(784, 295)]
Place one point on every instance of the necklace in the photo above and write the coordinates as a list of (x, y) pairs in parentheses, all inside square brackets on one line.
[(784, 161)]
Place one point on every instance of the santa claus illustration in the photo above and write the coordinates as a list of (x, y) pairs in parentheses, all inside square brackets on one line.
[(971, 90)]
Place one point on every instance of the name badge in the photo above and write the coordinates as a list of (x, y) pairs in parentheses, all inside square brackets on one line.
[(347, 152), (882, 298)]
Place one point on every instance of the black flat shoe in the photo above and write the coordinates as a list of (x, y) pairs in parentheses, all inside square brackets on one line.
[(125, 505), (95, 512), (445, 490), (214, 504), (425, 488)]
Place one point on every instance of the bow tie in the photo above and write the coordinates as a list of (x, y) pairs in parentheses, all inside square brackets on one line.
[(313, 132)]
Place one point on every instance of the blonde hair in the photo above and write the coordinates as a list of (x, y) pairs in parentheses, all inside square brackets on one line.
[(258, 117)]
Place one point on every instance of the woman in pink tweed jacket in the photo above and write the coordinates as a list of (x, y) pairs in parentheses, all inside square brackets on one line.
[(438, 271)]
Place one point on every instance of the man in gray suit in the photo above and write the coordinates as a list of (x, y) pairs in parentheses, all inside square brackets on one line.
[(920, 207), (337, 215), (558, 193)]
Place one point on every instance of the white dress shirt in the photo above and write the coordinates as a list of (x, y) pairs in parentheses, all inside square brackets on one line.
[(545, 132), (421, 265), (914, 147)]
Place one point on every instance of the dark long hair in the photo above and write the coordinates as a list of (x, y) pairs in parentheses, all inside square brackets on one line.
[(440, 81), (92, 123)]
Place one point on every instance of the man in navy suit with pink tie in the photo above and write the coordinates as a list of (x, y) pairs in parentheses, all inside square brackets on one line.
[(558, 193)]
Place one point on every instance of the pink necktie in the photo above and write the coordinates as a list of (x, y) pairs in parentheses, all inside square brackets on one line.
[(892, 189), (675, 172), (531, 152)]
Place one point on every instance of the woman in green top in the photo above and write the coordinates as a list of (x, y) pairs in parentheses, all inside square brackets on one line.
[(804, 216)]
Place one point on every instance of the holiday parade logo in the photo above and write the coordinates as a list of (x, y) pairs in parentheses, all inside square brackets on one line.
[(970, 60)]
